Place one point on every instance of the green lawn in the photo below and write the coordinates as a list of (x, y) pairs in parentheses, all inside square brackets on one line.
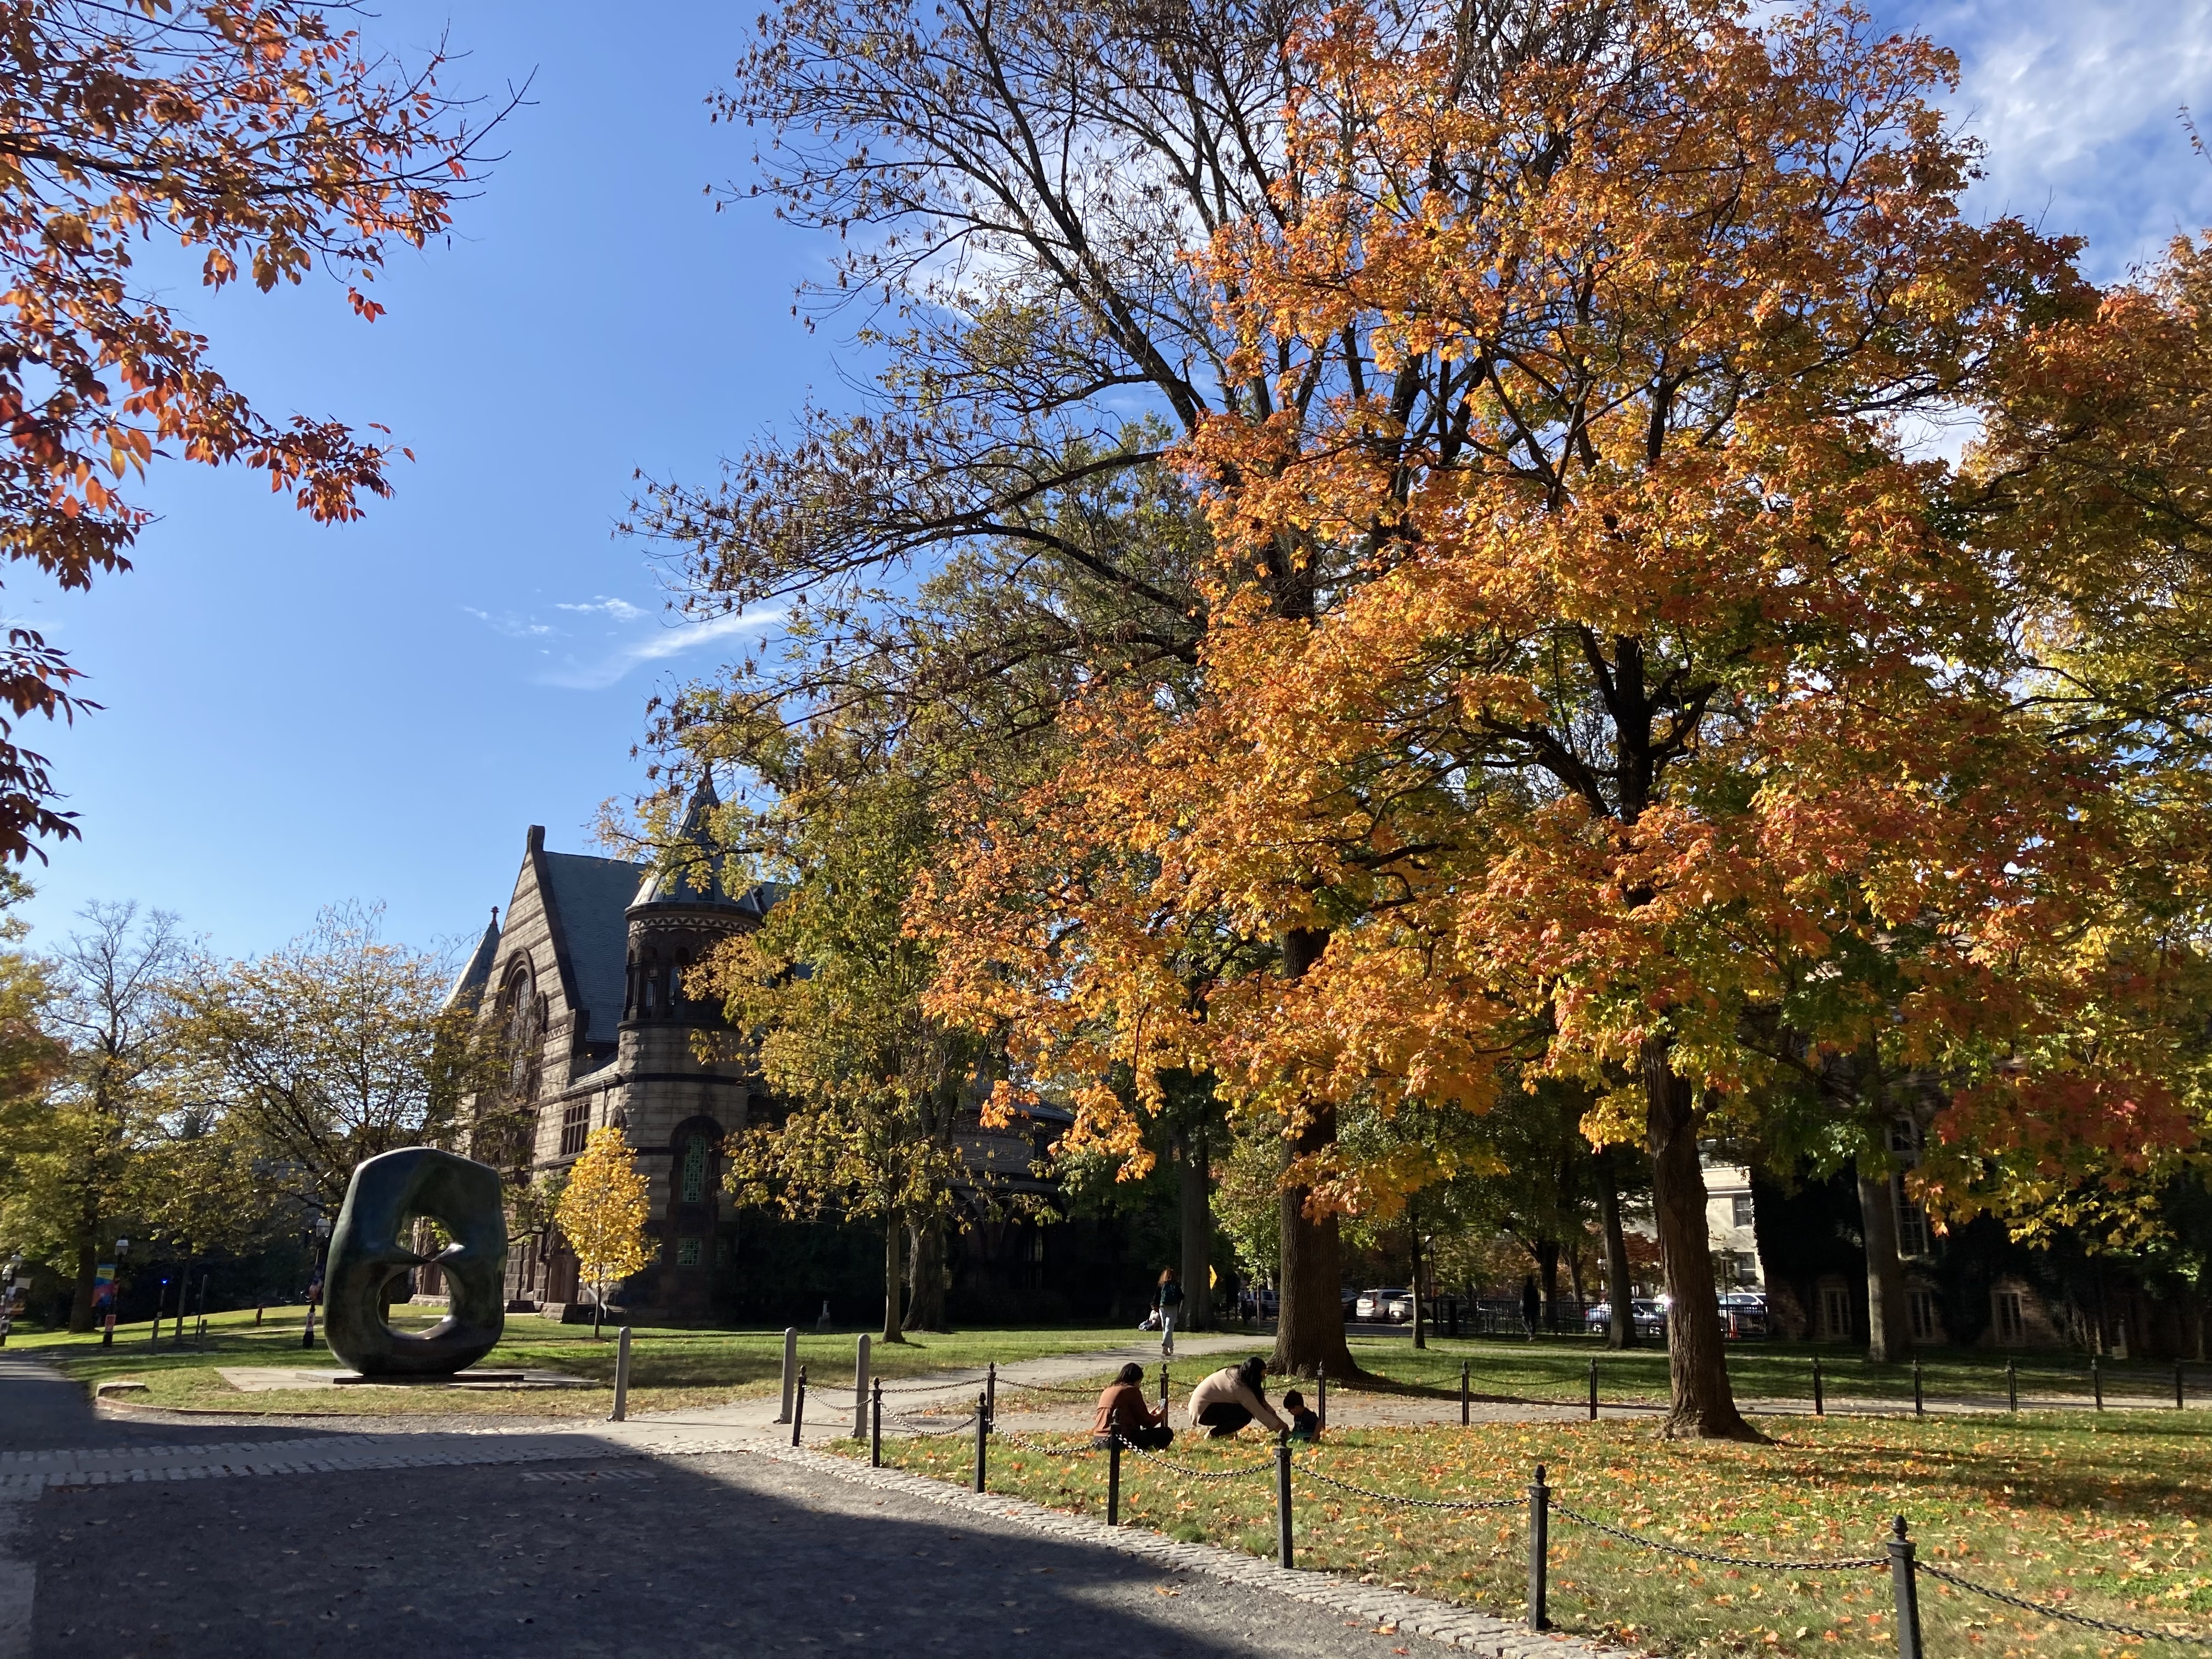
[(669, 1368), (2110, 1515), (1558, 1369)]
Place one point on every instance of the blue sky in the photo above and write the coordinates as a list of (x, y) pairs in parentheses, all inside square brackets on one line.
[(298, 714)]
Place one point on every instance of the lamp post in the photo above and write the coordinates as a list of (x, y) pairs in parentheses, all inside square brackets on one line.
[(322, 1235)]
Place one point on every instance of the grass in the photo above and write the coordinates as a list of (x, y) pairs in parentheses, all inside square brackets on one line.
[(669, 1368), (2110, 1515), (1558, 1369)]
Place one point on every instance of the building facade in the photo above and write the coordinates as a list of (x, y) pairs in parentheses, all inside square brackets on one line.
[(583, 982)]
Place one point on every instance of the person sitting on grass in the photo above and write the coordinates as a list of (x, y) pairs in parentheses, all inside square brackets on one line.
[(1230, 1398), (1304, 1424), (1123, 1410)]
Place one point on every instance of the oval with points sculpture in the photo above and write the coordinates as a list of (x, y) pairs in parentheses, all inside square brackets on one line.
[(369, 1248)]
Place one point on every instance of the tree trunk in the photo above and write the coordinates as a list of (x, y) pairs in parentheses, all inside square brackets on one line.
[(894, 1226), (1889, 1335), (1309, 1328), (1548, 1281), (1197, 1207), (88, 1264), (1619, 1282), (924, 1309), (1702, 1406)]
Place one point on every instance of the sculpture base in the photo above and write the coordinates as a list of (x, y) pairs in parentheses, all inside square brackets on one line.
[(471, 1379)]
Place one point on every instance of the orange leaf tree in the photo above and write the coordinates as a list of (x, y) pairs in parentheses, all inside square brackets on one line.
[(250, 134), (1647, 702)]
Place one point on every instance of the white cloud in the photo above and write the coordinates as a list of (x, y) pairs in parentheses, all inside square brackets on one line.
[(655, 645), (513, 627), (2078, 103), (619, 610)]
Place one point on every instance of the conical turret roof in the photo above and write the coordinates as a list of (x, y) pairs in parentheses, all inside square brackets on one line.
[(696, 870)]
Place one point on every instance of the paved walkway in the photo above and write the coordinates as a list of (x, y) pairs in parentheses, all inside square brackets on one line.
[(683, 1533)]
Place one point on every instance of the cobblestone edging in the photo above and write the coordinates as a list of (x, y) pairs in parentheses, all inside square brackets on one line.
[(1439, 1621)]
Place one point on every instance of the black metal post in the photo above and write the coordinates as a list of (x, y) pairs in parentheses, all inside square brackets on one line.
[(1540, 1524), (799, 1405), (2012, 1386), (1113, 1477), (2180, 1398), (1918, 1408), (1283, 1497), (876, 1426), (1593, 1387), (1321, 1400), (1163, 1385), (622, 1377), (983, 1435), (1462, 1393), (1906, 1589), (991, 1386), (1819, 1405), (2097, 1378)]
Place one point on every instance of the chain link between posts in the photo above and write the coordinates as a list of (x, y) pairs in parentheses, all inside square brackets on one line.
[(2138, 1632), (1840, 1563), (1417, 1503)]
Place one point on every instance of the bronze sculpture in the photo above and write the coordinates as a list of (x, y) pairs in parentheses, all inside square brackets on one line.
[(369, 1249)]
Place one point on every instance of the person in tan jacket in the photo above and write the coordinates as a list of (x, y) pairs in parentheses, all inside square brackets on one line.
[(1225, 1401), (1123, 1410)]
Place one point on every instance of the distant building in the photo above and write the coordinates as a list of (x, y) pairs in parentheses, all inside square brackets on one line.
[(583, 982)]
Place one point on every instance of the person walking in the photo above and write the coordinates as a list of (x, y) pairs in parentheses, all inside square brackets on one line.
[(1168, 1299), (1123, 1410), (1532, 1305), (1233, 1396)]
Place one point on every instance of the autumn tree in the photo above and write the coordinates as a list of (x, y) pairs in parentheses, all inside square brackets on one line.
[(1016, 193), (869, 1091), (333, 1050), (258, 139), (114, 984), (1656, 671), (602, 1212)]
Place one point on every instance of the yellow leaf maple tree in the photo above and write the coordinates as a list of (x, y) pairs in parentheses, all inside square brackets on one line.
[(603, 1213), (1647, 714)]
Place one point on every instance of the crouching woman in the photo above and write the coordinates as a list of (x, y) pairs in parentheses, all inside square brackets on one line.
[(1232, 1397), (1123, 1410)]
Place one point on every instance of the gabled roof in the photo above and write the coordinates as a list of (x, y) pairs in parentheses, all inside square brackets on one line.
[(469, 988), (588, 898)]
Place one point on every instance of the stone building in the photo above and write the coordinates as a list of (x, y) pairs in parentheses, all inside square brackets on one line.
[(583, 984), (584, 981)]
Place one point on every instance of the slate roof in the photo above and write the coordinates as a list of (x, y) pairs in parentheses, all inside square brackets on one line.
[(589, 895)]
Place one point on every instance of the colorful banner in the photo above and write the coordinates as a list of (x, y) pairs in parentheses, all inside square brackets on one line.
[(103, 1288)]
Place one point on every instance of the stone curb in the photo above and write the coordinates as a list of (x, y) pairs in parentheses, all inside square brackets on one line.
[(1438, 1621)]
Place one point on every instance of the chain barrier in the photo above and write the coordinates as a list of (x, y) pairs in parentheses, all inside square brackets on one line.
[(932, 1386), (1417, 1503), (2140, 1632), (1266, 1463), (1023, 1443), (962, 1427), (1047, 1388), (1832, 1564)]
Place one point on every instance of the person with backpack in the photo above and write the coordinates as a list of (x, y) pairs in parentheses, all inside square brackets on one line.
[(1169, 1300)]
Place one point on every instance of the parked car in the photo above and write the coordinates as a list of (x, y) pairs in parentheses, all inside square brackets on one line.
[(1648, 1318), (1744, 1314), (1395, 1306)]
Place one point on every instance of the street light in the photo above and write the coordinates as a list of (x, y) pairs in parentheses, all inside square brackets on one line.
[(315, 1286)]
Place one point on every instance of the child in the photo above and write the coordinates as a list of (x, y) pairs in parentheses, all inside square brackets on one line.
[(1304, 1425)]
